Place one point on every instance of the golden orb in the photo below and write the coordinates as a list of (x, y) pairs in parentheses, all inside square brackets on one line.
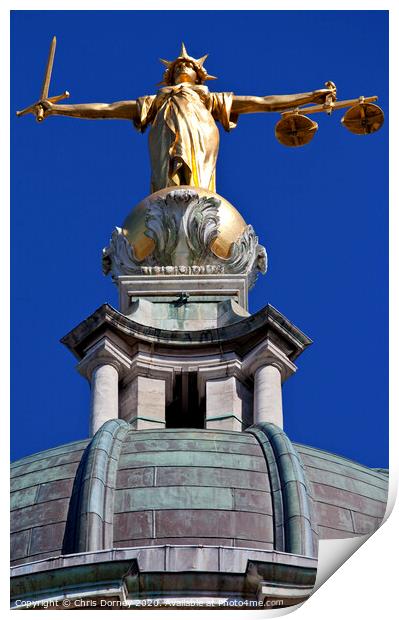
[(231, 224)]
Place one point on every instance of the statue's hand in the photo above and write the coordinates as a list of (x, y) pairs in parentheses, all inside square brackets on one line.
[(320, 96), (43, 109)]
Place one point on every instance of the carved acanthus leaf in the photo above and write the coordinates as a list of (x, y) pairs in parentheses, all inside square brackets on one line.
[(201, 226), (118, 258)]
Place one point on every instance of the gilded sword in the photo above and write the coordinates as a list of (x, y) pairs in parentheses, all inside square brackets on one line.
[(36, 108)]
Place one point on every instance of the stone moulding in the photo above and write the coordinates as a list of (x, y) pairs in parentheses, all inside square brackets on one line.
[(90, 518), (179, 270), (244, 333), (183, 226), (160, 572), (169, 288), (294, 525)]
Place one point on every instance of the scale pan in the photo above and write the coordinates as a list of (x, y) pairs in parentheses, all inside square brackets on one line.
[(295, 130), (363, 118)]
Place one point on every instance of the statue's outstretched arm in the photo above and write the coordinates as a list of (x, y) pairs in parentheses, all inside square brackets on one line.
[(120, 109), (278, 103)]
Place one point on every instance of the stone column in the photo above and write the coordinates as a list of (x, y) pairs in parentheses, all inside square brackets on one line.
[(104, 365), (142, 403), (104, 396), (269, 366), (268, 405)]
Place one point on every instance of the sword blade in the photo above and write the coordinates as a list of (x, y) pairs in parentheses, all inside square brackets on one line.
[(49, 68)]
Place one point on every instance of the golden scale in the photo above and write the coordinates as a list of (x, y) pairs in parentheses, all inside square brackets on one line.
[(294, 128), (362, 118)]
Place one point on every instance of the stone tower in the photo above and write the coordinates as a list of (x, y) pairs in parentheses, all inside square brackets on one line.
[(183, 263), (188, 489)]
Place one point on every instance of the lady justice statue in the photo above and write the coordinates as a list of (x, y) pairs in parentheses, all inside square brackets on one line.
[(184, 138), (193, 226)]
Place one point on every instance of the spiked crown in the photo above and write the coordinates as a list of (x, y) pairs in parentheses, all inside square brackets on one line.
[(197, 64)]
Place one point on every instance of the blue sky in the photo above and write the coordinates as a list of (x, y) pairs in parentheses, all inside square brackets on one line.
[(321, 210)]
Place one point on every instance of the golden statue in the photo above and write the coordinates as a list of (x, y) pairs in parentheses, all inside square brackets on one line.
[(184, 138)]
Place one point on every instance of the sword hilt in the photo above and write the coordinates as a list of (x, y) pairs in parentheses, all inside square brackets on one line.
[(40, 114), (56, 98), (39, 110)]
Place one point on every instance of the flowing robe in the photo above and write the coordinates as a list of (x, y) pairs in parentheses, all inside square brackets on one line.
[(184, 138)]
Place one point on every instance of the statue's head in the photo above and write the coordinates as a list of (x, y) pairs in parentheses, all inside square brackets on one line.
[(185, 68), (184, 71)]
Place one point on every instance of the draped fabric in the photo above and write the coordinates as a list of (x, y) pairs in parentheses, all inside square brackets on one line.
[(184, 138)]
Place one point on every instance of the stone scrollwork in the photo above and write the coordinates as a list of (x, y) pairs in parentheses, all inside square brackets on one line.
[(163, 221), (247, 256), (118, 258), (200, 224), (183, 226)]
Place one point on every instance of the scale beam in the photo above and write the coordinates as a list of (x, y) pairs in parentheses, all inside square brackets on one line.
[(330, 107)]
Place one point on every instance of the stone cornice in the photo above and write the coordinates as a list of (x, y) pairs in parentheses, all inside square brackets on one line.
[(243, 335)]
